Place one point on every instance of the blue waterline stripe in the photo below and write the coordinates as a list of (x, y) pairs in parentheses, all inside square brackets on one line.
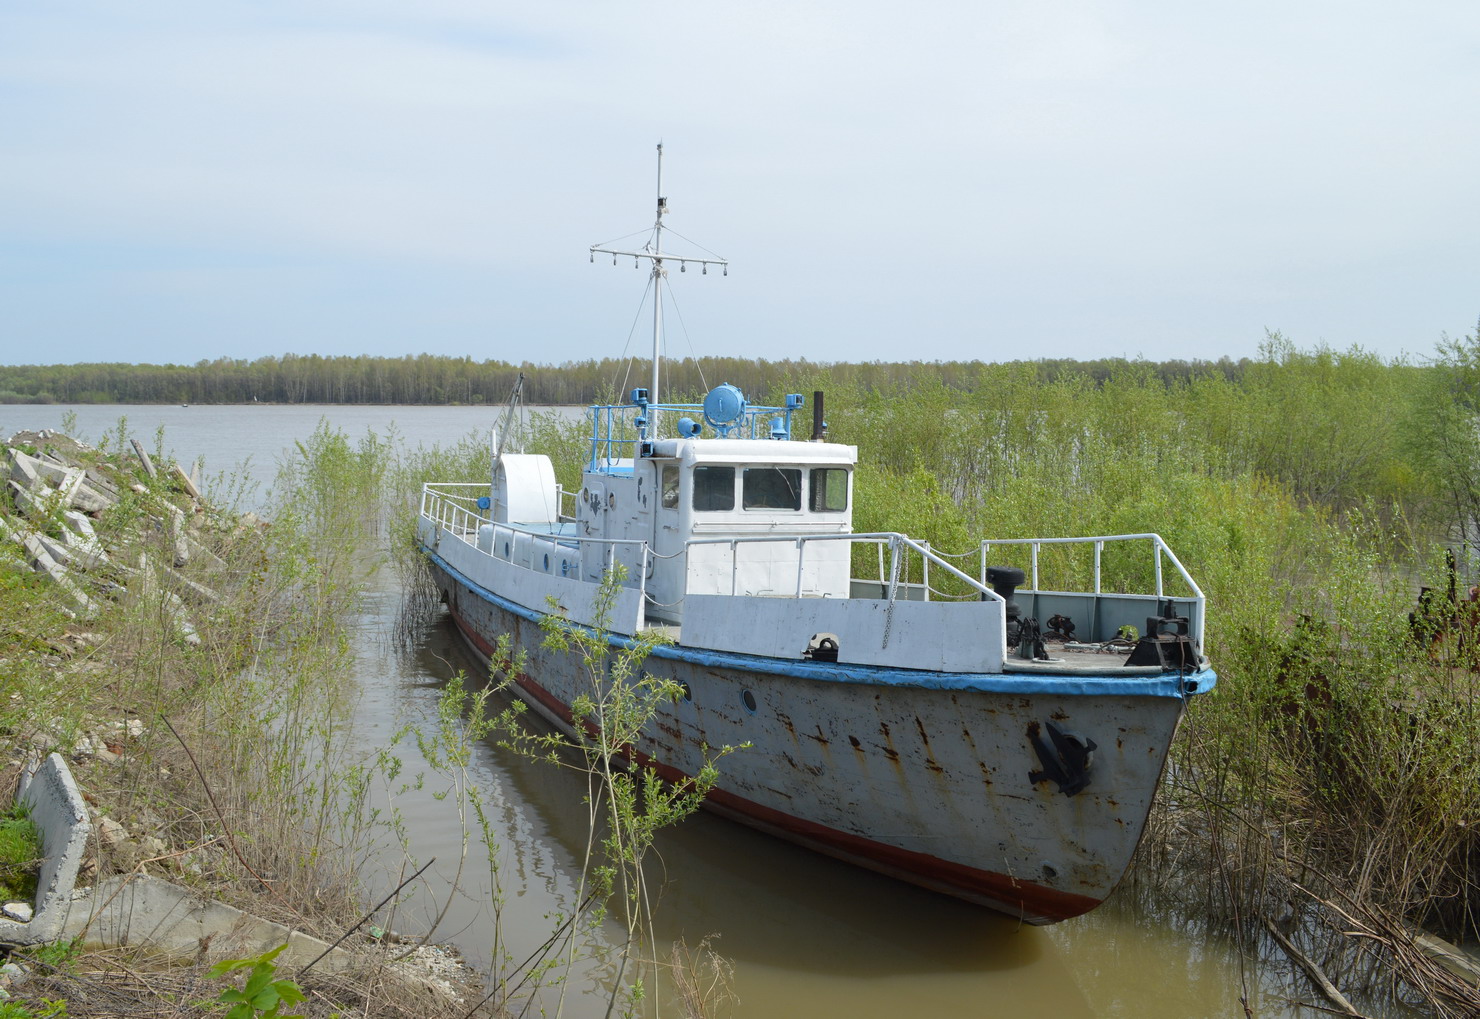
[(1090, 685)]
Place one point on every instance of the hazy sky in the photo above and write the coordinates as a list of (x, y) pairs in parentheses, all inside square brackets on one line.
[(934, 180)]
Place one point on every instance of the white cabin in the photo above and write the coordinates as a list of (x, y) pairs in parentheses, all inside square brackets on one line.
[(684, 497)]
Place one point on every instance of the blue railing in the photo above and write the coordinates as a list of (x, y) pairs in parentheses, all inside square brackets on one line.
[(617, 429)]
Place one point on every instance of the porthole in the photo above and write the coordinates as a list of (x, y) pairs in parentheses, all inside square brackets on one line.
[(506, 550), (547, 562), (748, 699), (611, 500), (688, 691)]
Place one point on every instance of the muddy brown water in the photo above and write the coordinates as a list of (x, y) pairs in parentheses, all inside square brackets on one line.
[(805, 935)]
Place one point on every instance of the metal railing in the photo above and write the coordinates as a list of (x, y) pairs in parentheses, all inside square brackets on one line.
[(898, 545), (454, 508), (1159, 549), (459, 515), (616, 429), (455, 511)]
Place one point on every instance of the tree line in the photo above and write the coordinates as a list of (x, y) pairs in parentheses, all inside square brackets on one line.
[(439, 380)]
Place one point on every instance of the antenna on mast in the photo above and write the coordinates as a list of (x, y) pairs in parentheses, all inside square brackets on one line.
[(653, 252)]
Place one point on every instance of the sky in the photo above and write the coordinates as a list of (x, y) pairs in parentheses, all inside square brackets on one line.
[(995, 180)]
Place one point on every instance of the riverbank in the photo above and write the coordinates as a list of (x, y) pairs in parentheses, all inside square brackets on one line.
[(189, 666)]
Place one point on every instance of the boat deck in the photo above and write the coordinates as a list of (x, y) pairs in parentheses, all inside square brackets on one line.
[(1077, 659)]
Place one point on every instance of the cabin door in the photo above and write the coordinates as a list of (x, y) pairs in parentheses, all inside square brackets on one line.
[(665, 585)]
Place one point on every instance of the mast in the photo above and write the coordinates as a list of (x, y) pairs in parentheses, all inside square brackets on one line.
[(653, 252), (658, 280)]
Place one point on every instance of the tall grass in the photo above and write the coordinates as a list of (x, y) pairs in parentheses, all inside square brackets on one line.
[(224, 703)]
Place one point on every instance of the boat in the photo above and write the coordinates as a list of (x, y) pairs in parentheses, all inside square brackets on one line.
[(904, 710)]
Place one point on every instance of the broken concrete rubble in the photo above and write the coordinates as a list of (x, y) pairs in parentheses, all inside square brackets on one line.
[(33, 474), (55, 491)]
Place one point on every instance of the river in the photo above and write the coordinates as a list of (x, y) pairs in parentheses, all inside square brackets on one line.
[(806, 935)]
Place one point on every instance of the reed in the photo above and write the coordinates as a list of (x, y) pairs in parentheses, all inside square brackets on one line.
[(1311, 499)]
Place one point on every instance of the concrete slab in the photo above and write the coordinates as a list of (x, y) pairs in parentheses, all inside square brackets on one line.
[(151, 913), (186, 482), (22, 469), (146, 911), (80, 537), (58, 811), (59, 552), (31, 501), (189, 588)]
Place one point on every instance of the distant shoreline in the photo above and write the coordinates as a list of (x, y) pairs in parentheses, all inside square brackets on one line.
[(447, 381)]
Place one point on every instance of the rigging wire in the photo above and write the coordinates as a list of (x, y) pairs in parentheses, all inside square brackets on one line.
[(635, 233), (669, 229), (684, 328), (642, 303)]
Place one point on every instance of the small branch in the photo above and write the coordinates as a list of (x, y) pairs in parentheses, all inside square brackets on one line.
[(1314, 971), (220, 816), (361, 922)]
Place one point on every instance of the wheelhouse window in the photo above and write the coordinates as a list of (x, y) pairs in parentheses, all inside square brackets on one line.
[(773, 488), (670, 486), (714, 488), (829, 490)]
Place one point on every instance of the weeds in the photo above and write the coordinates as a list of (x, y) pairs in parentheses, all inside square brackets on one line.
[(261, 996), (20, 850), (627, 800)]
